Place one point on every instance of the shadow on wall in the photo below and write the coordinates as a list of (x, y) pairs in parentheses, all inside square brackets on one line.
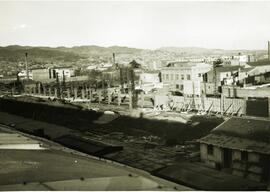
[(172, 132)]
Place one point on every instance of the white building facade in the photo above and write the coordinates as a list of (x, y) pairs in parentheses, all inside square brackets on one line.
[(184, 76)]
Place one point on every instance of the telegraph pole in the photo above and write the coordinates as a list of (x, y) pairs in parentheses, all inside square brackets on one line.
[(26, 67)]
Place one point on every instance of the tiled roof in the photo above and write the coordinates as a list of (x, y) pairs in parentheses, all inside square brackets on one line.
[(242, 133), (247, 69), (237, 143), (259, 63)]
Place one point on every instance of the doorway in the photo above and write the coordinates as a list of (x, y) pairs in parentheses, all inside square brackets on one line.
[(264, 160), (227, 155)]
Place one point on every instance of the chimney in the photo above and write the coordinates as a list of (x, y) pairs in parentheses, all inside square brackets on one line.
[(114, 58), (268, 50)]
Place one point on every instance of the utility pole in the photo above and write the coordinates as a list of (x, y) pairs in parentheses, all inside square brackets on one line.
[(215, 65), (64, 79), (215, 79), (58, 86), (268, 50), (26, 67)]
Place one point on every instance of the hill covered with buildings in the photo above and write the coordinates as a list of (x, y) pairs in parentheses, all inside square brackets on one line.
[(12, 57)]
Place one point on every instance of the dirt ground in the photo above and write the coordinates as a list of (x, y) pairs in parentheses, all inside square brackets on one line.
[(151, 139)]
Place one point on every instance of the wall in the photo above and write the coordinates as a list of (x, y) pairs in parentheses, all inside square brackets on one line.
[(218, 105), (65, 115), (192, 87), (250, 169), (213, 161), (243, 93), (177, 75), (77, 78), (40, 74), (149, 78), (208, 88)]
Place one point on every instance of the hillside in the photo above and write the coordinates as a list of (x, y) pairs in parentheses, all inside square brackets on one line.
[(94, 50), (73, 54), (16, 53), (199, 51), (12, 57)]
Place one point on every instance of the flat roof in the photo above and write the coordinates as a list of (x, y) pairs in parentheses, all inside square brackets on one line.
[(59, 168)]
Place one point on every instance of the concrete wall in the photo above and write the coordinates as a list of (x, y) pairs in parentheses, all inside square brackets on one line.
[(207, 104), (242, 92)]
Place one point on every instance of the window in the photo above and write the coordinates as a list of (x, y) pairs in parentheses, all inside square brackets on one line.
[(167, 77), (182, 77), (210, 149), (244, 156), (188, 77), (172, 77), (176, 77), (177, 86), (181, 87)]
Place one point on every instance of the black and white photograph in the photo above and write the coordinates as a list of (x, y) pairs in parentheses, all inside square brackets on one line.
[(134, 95)]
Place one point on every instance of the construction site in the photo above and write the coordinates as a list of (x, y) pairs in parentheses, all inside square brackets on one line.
[(155, 131)]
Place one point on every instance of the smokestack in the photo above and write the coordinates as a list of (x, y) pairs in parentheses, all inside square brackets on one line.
[(114, 58), (268, 50), (26, 67)]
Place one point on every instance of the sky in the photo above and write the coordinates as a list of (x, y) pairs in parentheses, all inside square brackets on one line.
[(140, 24)]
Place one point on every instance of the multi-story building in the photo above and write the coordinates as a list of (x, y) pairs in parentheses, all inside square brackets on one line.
[(49, 74), (223, 75), (179, 73), (61, 72), (149, 81)]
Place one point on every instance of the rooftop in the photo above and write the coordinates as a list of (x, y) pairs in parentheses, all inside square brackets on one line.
[(62, 67), (180, 64), (228, 68), (54, 167), (250, 134), (259, 63)]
